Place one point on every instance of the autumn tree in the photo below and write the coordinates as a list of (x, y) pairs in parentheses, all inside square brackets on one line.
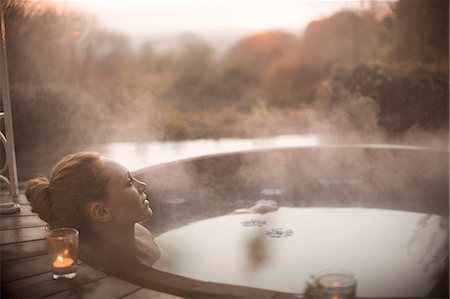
[(245, 64), (422, 31)]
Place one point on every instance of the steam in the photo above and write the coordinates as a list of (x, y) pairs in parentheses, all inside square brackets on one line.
[(346, 116), (95, 88)]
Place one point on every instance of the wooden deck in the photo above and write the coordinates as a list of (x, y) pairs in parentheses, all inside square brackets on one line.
[(25, 270)]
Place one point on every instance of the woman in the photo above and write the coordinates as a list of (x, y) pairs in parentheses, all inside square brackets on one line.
[(101, 199)]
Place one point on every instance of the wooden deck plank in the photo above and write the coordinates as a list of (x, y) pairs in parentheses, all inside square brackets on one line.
[(147, 293), (43, 285), (21, 222), (22, 235), (21, 250), (25, 267), (21, 199), (288, 296), (25, 210), (108, 287)]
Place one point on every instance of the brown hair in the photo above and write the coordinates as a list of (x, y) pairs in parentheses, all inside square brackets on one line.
[(61, 199)]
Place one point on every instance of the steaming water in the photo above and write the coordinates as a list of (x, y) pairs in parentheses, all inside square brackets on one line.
[(393, 253), (136, 156), (140, 155)]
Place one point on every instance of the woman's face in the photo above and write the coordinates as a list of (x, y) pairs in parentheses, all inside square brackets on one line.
[(125, 195)]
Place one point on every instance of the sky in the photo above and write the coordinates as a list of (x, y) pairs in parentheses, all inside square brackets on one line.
[(170, 16)]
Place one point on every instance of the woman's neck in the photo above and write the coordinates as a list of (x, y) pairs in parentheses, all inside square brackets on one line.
[(120, 235), (107, 243)]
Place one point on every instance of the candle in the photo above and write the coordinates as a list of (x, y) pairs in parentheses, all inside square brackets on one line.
[(62, 248), (62, 262), (336, 284)]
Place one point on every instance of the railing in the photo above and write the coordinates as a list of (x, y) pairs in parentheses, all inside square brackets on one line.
[(7, 137)]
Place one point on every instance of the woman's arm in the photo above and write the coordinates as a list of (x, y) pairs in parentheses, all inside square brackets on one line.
[(125, 264), (148, 277)]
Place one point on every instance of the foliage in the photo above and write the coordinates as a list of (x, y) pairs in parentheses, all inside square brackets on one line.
[(255, 53), (419, 91), (291, 83), (72, 82), (345, 37), (422, 30), (244, 66)]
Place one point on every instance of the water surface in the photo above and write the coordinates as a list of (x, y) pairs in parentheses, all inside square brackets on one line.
[(393, 253)]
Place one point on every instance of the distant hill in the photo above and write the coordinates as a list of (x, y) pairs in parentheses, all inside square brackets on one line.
[(220, 40)]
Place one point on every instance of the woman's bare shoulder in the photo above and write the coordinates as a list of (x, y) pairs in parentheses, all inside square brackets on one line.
[(147, 249)]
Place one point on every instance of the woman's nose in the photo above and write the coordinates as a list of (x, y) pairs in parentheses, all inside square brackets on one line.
[(141, 186)]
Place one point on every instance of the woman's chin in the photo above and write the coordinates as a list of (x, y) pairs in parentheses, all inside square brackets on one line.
[(148, 213)]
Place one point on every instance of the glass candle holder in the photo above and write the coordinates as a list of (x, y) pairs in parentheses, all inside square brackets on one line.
[(336, 284), (62, 246)]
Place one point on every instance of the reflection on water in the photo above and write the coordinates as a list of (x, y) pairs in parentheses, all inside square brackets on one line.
[(389, 251), (140, 155)]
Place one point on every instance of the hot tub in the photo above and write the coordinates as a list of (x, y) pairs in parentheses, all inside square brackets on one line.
[(380, 212)]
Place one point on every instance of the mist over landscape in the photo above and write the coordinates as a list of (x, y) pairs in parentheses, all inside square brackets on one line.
[(373, 73)]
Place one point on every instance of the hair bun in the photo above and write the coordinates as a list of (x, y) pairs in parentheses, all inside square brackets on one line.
[(37, 194)]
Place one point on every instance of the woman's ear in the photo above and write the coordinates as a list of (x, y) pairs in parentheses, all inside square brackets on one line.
[(99, 212)]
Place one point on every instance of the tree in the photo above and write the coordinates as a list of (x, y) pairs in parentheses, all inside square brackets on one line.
[(194, 76), (422, 30), (244, 67), (344, 37), (254, 54), (290, 82)]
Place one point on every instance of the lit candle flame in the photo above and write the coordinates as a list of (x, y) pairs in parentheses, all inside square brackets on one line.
[(62, 262)]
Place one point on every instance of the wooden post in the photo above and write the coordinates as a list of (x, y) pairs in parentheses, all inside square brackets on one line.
[(8, 140)]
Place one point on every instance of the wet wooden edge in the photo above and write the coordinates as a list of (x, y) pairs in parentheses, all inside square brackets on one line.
[(25, 267), (20, 199), (25, 210), (42, 285), (21, 222), (147, 293), (21, 250), (18, 235), (107, 287)]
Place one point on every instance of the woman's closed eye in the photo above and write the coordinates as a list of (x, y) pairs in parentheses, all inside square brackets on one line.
[(130, 180)]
